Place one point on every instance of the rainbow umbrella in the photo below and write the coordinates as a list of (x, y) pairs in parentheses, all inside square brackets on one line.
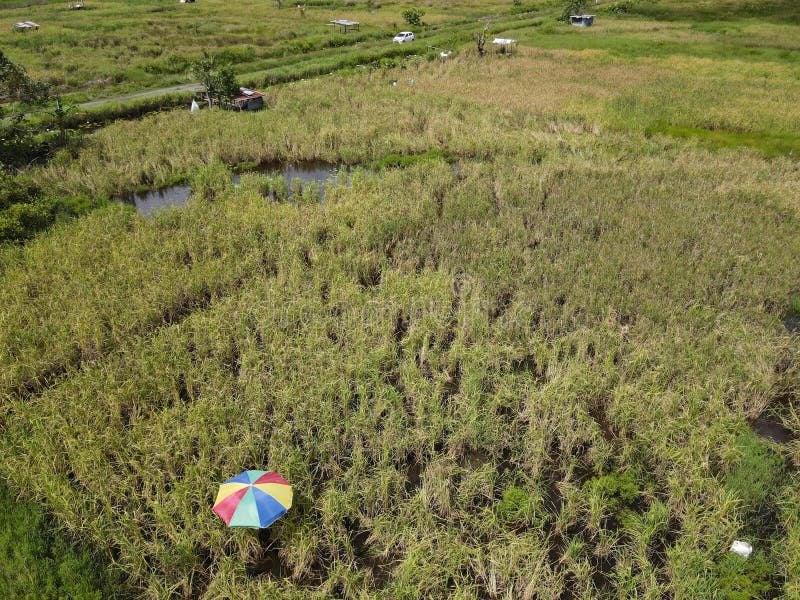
[(253, 499)]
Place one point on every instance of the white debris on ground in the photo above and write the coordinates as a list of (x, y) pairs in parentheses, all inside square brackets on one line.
[(741, 548)]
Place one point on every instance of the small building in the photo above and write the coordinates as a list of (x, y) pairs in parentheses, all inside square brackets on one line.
[(504, 45), (248, 100), (25, 26), (581, 20), (345, 24)]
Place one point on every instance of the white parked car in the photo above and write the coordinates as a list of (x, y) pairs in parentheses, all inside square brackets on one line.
[(403, 37)]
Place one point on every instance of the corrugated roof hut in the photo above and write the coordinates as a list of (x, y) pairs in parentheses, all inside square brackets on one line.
[(248, 100), (581, 20)]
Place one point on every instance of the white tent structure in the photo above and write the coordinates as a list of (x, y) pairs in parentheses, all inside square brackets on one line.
[(505, 45)]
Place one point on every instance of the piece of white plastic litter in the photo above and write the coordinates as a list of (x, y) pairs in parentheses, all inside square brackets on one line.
[(741, 548)]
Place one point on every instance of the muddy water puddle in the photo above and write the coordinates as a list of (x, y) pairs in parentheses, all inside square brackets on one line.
[(297, 176), (772, 429), (792, 323)]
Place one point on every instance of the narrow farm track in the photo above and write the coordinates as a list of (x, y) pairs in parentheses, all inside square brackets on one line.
[(173, 89)]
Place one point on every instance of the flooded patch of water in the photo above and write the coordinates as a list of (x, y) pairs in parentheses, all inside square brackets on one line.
[(771, 429), (148, 202), (306, 172), (296, 176)]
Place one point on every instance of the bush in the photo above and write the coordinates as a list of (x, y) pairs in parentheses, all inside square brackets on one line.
[(622, 7), (620, 490), (518, 507), (413, 16), (743, 578), (20, 222), (16, 189), (255, 183), (24, 210)]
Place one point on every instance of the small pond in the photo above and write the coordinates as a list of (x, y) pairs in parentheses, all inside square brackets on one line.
[(317, 172)]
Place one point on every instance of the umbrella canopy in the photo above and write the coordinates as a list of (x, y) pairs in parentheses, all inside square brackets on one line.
[(253, 499)]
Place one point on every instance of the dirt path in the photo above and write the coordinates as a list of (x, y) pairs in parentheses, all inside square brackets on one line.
[(186, 87)]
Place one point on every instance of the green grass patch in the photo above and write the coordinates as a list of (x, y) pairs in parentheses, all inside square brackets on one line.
[(782, 11), (757, 474), (619, 491), (520, 507), (38, 563), (744, 578), (768, 144), (407, 160)]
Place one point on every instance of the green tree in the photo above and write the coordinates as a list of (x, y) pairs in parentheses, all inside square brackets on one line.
[(218, 79), (573, 7), (225, 83), (413, 16), (60, 112), (18, 94), (17, 87)]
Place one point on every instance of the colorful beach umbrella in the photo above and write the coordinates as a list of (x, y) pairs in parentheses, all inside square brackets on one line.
[(253, 499)]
